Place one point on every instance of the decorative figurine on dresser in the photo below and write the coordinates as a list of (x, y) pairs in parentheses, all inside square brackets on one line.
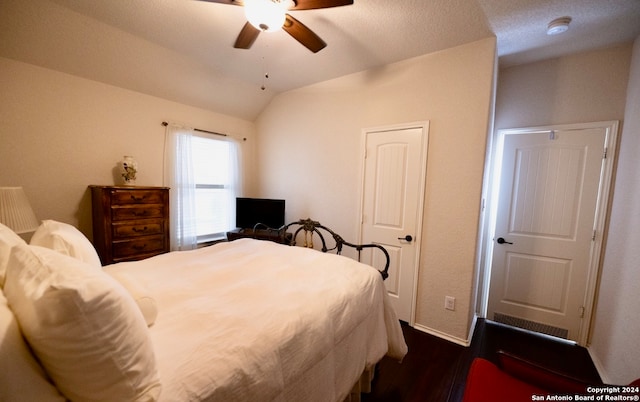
[(130, 223)]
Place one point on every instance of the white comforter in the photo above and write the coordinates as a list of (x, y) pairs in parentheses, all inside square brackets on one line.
[(252, 321)]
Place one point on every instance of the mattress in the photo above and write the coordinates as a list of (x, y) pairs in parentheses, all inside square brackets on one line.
[(253, 320)]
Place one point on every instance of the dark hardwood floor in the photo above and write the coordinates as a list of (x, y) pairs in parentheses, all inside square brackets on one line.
[(435, 370)]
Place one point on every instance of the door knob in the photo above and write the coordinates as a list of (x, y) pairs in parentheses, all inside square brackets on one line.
[(407, 238), (501, 240)]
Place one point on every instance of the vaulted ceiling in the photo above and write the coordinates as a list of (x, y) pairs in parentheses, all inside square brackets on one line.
[(182, 50)]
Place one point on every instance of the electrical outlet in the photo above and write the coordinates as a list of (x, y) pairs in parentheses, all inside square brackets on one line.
[(449, 303)]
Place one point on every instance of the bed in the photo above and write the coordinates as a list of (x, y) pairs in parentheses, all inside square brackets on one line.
[(247, 320)]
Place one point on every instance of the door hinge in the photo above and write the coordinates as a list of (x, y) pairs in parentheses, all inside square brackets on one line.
[(593, 238), (582, 312), (604, 155)]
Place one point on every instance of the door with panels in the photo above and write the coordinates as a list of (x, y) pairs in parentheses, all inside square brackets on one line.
[(553, 187), (392, 204)]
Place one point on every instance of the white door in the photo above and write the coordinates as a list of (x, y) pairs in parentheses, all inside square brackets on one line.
[(547, 224), (392, 203)]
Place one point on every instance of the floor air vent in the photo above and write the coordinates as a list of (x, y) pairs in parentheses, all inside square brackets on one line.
[(531, 325)]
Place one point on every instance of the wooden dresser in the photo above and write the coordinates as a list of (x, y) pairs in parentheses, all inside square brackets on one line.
[(130, 223)]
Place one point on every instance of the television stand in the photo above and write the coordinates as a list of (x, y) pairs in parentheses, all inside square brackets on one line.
[(260, 234)]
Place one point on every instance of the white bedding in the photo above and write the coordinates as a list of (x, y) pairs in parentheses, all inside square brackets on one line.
[(253, 320)]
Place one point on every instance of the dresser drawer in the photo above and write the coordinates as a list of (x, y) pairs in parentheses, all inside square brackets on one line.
[(126, 197), (128, 248), (125, 230), (130, 212)]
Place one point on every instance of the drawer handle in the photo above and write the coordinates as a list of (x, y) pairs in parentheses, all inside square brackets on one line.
[(144, 229), (140, 247), (141, 213), (138, 199)]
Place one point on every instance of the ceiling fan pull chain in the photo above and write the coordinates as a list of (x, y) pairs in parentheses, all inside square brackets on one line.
[(265, 75)]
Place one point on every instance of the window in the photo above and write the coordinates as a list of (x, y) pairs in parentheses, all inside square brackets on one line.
[(202, 172), (215, 192)]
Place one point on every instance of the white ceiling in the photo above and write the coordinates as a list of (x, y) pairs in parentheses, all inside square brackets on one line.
[(182, 50)]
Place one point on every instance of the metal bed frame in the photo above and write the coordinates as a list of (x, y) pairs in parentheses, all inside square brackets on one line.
[(310, 227)]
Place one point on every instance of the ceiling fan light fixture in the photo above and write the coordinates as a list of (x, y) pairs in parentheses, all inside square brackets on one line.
[(558, 26), (265, 15)]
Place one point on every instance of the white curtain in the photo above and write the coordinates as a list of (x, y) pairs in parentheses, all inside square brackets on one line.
[(178, 175)]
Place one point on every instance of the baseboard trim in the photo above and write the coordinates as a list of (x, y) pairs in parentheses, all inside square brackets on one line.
[(474, 322), (445, 336), (599, 366)]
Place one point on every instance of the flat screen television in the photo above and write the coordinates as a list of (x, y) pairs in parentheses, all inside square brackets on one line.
[(250, 211)]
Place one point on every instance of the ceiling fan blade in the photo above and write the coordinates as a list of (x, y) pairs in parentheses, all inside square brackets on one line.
[(302, 34), (297, 4), (315, 4), (246, 37), (231, 2)]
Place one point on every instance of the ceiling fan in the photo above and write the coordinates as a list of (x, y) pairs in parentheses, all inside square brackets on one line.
[(271, 15)]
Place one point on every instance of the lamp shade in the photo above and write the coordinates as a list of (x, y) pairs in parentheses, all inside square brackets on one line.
[(15, 210)]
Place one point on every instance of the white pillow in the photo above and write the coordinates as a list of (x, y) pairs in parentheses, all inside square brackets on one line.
[(140, 294), (22, 379), (85, 329), (8, 238), (67, 240)]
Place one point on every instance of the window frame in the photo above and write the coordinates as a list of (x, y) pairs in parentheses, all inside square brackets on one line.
[(213, 236)]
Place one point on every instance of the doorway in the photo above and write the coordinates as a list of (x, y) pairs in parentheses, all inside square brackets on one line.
[(546, 227), (393, 184)]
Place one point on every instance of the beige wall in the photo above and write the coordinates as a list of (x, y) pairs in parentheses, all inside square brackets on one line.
[(616, 327), (60, 133), (580, 88), (310, 141)]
